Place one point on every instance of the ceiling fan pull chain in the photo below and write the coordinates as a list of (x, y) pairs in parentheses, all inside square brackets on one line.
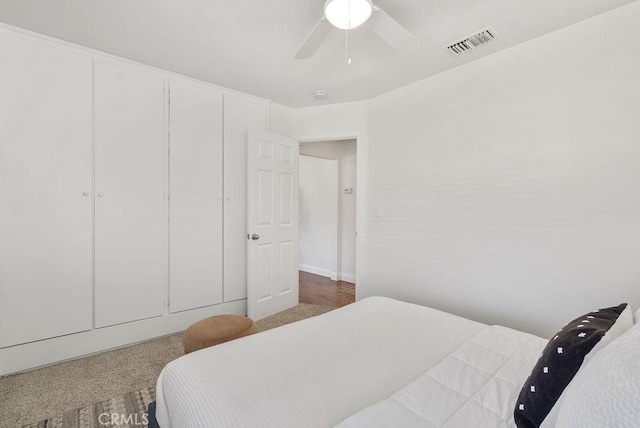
[(347, 46)]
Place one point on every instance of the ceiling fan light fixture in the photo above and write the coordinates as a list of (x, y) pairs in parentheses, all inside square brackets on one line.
[(348, 14)]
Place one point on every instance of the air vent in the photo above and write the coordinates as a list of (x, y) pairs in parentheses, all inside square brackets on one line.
[(473, 41)]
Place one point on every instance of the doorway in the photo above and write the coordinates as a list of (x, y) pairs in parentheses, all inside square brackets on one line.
[(327, 226)]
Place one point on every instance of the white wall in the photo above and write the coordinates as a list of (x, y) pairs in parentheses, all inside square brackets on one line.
[(318, 215), (332, 122), (345, 153), (508, 187)]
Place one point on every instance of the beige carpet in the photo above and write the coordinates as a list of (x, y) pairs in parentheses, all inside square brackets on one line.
[(30, 397)]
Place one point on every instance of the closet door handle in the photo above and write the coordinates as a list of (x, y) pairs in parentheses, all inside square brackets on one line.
[(100, 194), (255, 237), (85, 193)]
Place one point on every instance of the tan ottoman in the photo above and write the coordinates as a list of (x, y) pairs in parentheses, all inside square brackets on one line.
[(215, 330)]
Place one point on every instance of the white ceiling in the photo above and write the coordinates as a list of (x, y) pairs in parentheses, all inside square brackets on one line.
[(248, 45)]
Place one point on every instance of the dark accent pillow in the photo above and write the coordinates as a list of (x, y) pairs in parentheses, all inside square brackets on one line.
[(151, 416), (562, 358)]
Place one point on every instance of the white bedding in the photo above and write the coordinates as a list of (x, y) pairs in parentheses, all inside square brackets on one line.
[(475, 386), (313, 373)]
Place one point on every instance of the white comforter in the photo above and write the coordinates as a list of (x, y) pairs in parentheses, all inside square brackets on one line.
[(476, 386), (313, 373)]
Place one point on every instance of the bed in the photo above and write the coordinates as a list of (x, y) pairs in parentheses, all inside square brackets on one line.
[(375, 363)]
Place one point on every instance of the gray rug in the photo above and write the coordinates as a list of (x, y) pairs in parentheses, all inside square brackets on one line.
[(129, 409)]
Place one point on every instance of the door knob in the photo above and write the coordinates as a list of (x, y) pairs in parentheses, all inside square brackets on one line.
[(100, 194), (255, 237), (85, 193)]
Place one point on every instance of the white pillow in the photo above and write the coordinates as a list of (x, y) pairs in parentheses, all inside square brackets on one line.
[(606, 391)]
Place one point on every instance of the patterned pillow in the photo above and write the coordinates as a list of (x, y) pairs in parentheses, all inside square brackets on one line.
[(565, 353)]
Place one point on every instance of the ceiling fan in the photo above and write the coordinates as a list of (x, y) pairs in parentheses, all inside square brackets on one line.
[(349, 14)]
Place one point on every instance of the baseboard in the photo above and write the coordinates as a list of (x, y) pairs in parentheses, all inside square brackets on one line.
[(19, 358), (334, 276), (317, 271)]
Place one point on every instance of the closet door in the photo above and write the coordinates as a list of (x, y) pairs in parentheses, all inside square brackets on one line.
[(240, 114), (45, 191), (130, 268), (195, 203)]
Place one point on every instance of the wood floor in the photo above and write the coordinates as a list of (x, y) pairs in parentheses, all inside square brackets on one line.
[(320, 290)]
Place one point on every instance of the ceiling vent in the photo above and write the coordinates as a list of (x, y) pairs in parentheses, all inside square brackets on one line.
[(473, 41)]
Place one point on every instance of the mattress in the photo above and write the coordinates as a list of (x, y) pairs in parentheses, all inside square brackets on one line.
[(476, 385), (313, 373)]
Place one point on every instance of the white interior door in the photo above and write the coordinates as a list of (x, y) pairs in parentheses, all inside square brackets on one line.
[(130, 273), (195, 188), (45, 191), (272, 223)]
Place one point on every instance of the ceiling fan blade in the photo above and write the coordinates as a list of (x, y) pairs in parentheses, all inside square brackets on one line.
[(314, 39), (389, 29)]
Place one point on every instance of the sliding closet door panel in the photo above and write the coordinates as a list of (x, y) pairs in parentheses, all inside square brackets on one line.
[(195, 196), (240, 114), (130, 210), (45, 191)]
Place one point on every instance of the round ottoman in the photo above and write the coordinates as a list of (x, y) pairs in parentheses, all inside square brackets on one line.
[(215, 330)]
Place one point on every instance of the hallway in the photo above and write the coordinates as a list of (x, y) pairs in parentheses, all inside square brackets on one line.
[(320, 290)]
